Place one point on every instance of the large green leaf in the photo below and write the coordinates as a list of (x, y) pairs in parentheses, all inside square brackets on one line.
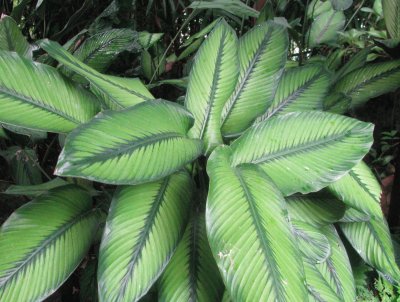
[(317, 209), (150, 143), (341, 4), (325, 28), (300, 89), (372, 241), (331, 280), (250, 235), (211, 81), (262, 56), (43, 242), (11, 38), (36, 96), (143, 228), (353, 215), (356, 61), (391, 13), (304, 151), (116, 92), (192, 274), (360, 190), (98, 51), (370, 81)]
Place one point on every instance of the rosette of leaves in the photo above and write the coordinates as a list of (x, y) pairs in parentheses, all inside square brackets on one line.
[(251, 136)]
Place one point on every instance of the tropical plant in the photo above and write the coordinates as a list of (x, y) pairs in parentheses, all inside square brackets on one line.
[(244, 193)]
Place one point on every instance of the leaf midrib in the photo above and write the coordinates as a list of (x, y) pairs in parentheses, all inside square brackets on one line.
[(33, 102), (146, 141), (143, 237), (243, 81), (49, 239), (270, 261), (297, 149)]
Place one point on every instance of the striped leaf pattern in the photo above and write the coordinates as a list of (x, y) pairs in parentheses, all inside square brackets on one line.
[(211, 81), (150, 143), (249, 233), (36, 96), (116, 92), (11, 38), (304, 151), (262, 55), (300, 89), (143, 228), (192, 274), (43, 242)]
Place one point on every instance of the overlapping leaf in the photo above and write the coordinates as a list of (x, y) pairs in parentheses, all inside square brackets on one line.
[(331, 280), (370, 81), (262, 55), (357, 61), (304, 151), (300, 89), (11, 38), (139, 144), (249, 233), (36, 254), (211, 81), (143, 228), (192, 274), (391, 13), (36, 96), (325, 28), (341, 4), (117, 93), (99, 50), (35, 190), (317, 209)]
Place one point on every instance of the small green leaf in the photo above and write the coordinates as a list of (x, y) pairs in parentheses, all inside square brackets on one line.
[(325, 28), (341, 4)]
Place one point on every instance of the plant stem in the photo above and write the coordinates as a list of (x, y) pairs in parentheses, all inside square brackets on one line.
[(355, 13)]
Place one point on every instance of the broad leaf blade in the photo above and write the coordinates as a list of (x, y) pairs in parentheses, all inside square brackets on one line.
[(304, 151), (262, 55), (36, 96), (331, 280), (43, 242), (300, 89), (341, 4), (370, 81), (35, 190), (99, 50), (211, 81), (192, 274), (357, 61), (150, 143), (391, 13), (250, 235), (11, 38), (317, 209), (143, 229), (115, 91), (325, 28)]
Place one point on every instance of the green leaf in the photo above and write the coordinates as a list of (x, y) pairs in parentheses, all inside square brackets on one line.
[(192, 274), (312, 243), (117, 93), (370, 81), (360, 190), (100, 50), (24, 167), (11, 38), (201, 34), (234, 7), (304, 151), (250, 235), (43, 242), (150, 143), (353, 215), (146, 39), (341, 4), (356, 61), (35, 190), (373, 243), (331, 280), (143, 228), (226, 297), (317, 209), (318, 7), (325, 28), (88, 282), (43, 99), (391, 13), (300, 89), (262, 56), (211, 81), (337, 102)]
